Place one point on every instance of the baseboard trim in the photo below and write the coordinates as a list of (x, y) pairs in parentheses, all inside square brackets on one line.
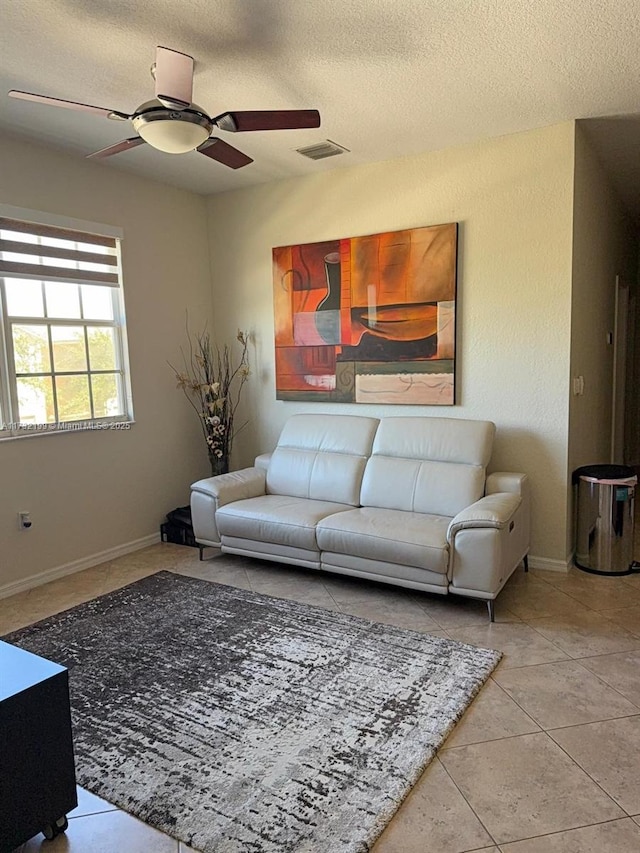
[(549, 565), (78, 565)]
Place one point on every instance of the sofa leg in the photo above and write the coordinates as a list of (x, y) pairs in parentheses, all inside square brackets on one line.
[(525, 560), (491, 605), (210, 552)]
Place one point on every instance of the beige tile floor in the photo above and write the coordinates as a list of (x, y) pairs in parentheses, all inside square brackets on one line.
[(547, 758)]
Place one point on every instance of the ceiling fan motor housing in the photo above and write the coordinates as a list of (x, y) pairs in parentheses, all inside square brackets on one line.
[(171, 130)]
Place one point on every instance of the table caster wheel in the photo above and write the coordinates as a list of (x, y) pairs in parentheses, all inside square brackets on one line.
[(52, 829)]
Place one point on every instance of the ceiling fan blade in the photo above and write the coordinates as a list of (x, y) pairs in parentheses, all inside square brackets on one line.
[(68, 105), (268, 120), (174, 77), (116, 148), (224, 153)]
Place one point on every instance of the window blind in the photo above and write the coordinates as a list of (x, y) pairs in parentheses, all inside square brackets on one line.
[(32, 250)]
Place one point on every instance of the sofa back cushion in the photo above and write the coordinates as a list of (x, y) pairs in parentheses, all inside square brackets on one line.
[(322, 457), (430, 465)]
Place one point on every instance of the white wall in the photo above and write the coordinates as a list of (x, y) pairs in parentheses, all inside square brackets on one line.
[(93, 491), (604, 246), (513, 199)]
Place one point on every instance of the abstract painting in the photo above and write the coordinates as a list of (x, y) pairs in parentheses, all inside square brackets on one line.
[(367, 319)]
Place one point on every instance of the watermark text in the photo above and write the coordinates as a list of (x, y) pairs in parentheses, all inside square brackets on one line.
[(63, 426)]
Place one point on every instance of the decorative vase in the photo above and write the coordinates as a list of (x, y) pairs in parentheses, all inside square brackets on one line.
[(219, 464)]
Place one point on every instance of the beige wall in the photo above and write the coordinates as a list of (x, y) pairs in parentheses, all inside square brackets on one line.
[(92, 491), (513, 199), (632, 413), (604, 246)]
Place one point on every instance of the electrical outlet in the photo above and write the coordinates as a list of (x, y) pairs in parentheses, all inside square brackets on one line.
[(24, 520)]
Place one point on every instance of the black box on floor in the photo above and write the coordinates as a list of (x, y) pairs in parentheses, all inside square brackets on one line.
[(178, 528)]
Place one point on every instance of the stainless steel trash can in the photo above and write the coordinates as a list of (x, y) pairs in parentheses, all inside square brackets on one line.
[(604, 541)]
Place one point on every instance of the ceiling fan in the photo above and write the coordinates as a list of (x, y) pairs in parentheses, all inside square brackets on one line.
[(171, 122)]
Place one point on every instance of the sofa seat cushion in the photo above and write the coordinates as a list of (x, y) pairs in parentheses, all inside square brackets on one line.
[(280, 519), (387, 535)]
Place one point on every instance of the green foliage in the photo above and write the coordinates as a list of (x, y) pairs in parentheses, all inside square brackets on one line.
[(31, 355)]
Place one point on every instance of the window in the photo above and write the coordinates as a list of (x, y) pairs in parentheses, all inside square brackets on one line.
[(63, 359)]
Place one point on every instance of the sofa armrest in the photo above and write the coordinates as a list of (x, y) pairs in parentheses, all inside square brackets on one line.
[(487, 541), (262, 461), (234, 486), (505, 481), (518, 484), (208, 495), (494, 510)]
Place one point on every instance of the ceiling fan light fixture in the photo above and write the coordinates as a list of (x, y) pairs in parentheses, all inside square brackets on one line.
[(173, 131)]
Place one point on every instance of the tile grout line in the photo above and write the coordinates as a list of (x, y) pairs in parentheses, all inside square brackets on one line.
[(624, 816), (563, 831), (473, 811)]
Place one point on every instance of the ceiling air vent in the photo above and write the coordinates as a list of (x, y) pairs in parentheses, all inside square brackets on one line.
[(322, 150)]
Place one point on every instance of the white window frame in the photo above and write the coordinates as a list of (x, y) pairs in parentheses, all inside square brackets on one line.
[(10, 426)]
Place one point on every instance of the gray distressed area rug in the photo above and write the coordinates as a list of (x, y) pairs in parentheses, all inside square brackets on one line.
[(241, 723)]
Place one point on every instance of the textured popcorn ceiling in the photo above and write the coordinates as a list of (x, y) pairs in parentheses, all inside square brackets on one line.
[(390, 77)]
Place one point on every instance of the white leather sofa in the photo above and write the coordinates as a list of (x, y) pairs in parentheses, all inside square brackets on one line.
[(403, 500)]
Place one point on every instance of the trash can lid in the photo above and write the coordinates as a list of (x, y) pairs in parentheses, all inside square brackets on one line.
[(606, 473)]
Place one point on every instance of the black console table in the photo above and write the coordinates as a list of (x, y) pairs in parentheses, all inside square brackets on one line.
[(37, 771)]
